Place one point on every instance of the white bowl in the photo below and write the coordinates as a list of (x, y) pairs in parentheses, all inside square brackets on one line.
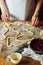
[(18, 58)]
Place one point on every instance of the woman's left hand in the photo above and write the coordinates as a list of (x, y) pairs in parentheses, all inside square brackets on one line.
[(35, 20)]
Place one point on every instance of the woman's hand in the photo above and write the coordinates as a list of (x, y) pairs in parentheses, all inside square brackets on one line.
[(5, 14), (35, 20)]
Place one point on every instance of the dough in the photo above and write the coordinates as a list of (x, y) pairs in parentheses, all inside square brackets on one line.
[(41, 33), (4, 30), (15, 42), (2, 37)]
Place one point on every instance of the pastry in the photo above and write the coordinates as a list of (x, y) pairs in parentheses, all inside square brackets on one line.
[(12, 33), (25, 33), (4, 30), (15, 42), (41, 33), (2, 37), (25, 38)]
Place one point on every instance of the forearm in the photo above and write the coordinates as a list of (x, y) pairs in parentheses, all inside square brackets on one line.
[(2, 4), (38, 7)]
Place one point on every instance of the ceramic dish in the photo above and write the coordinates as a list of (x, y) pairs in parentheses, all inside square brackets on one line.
[(37, 46), (15, 58)]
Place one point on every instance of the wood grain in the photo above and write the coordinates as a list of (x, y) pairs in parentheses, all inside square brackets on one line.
[(28, 61)]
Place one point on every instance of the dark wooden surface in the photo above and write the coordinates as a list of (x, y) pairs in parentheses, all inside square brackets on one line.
[(28, 61), (24, 61)]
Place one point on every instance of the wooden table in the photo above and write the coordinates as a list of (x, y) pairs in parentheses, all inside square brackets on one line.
[(40, 25), (28, 60), (24, 61)]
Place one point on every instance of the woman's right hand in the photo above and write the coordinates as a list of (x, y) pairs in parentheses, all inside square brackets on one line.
[(5, 14)]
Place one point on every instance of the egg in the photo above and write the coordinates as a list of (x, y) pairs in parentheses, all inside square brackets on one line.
[(15, 58)]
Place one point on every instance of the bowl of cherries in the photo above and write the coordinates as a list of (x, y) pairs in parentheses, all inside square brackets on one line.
[(37, 45)]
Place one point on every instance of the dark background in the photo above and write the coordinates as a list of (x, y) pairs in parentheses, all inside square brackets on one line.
[(0, 13), (41, 13)]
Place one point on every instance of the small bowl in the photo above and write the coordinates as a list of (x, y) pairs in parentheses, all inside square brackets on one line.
[(37, 45), (15, 58)]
